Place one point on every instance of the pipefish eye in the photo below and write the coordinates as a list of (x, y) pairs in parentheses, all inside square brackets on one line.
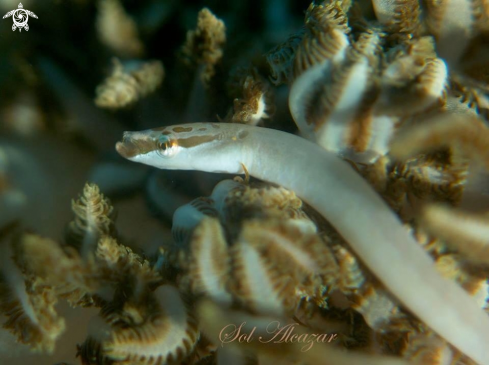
[(167, 146), (164, 143)]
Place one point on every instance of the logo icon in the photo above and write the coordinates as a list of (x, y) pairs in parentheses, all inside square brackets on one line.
[(20, 17)]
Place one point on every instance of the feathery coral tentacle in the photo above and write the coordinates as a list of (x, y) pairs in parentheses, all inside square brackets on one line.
[(166, 337), (94, 217), (204, 44)]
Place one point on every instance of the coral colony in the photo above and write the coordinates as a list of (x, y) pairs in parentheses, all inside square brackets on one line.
[(391, 103)]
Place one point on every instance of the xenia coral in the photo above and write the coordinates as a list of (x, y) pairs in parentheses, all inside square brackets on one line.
[(372, 80), (117, 30), (28, 303), (204, 44), (108, 272), (256, 98), (128, 83), (259, 223)]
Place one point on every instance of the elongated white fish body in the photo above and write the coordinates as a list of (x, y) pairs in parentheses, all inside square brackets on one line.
[(343, 197)]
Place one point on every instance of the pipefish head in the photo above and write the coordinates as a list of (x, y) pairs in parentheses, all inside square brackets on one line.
[(136, 144), (197, 146)]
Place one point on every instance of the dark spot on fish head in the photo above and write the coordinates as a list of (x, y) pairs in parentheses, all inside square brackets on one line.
[(182, 129), (197, 140)]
